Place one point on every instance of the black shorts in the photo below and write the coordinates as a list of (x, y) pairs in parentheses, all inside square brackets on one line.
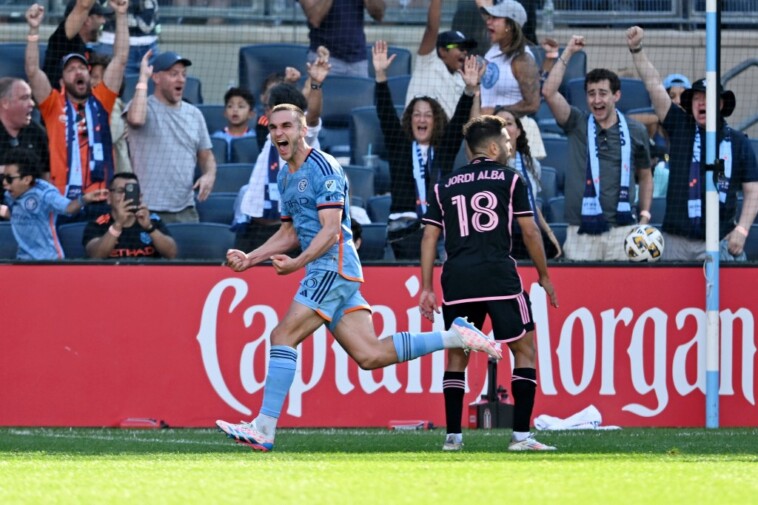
[(511, 318)]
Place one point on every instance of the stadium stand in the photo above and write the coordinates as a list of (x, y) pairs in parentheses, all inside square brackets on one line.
[(214, 117), (557, 155), (373, 242), (217, 208), (400, 66), (220, 150), (341, 95), (12, 58), (257, 62), (8, 245), (230, 177), (202, 241), (244, 150), (361, 181), (549, 183), (70, 236), (378, 208), (554, 212), (399, 88)]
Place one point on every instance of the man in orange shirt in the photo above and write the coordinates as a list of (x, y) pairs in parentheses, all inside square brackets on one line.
[(77, 116)]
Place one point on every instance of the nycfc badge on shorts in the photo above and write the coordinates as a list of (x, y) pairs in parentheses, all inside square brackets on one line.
[(330, 185), (302, 185)]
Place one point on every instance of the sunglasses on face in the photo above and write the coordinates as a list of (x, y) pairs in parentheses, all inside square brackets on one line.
[(9, 178)]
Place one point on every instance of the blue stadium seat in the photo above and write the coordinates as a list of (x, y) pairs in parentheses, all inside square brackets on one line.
[(8, 245), (751, 244), (554, 212), (220, 150), (12, 56), (202, 241), (658, 210), (365, 131), (214, 117), (633, 95), (373, 242), (559, 229), (546, 121), (577, 67), (193, 89), (230, 177), (557, 156), (378, 208), (399, 88), (401, 65), (549, 183), (258, 61), (245, 150), (70, 236), (754, 143), (361, 180), (217, 208), (461, 158)]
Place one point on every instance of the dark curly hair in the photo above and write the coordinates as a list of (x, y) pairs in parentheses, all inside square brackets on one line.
[(522, 143), (438, 114)]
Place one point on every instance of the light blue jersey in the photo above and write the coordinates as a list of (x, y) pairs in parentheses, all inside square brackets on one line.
[(319, 184), (33, 217)]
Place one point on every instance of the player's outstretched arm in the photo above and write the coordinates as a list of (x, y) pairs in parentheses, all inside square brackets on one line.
[(427, 303), (533, 242)]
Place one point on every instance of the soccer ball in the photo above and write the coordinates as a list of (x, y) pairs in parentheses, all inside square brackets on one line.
[(644, 243)]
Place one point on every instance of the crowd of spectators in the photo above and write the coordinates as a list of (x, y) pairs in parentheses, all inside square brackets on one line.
[(89, 142)]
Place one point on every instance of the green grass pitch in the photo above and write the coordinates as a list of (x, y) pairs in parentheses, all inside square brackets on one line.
[(374, 466)]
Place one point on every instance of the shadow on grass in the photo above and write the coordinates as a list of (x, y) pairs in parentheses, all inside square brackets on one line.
[(108, 441)]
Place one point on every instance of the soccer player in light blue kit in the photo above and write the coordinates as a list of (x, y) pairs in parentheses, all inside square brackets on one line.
[(315, 216)]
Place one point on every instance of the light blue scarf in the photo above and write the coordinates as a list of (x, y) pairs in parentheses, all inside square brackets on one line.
[(593, 221)]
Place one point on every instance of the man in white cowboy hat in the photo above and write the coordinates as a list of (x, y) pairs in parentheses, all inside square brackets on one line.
[(684, 222)]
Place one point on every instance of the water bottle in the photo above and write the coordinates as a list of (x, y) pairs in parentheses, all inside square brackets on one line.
[(548, 10)]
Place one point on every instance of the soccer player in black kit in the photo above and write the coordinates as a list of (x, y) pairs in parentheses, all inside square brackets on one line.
[(476, 206)]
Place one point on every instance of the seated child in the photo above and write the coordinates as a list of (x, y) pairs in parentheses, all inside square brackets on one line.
[(239, 111)]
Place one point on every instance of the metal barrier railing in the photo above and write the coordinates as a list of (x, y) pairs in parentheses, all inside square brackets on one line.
[(675, 13)]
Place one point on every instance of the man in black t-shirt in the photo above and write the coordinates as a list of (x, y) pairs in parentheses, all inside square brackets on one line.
[(129, 230), (476, 206), (77, 33)]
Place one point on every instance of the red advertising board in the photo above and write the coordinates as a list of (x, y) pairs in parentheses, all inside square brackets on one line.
[(91, 345)]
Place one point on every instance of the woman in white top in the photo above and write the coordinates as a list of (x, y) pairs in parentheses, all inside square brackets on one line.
[(512, 77)]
